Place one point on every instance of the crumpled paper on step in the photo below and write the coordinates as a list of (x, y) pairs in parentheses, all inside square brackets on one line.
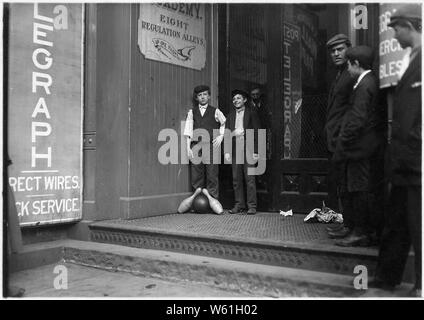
[(286, 213), (325, 215)]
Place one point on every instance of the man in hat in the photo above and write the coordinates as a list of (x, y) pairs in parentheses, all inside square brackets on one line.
[(337, 104), (361, 134), (240, 119), (211, 119), (403, 221)]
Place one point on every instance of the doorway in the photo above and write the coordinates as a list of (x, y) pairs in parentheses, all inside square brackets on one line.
[(280, 48)]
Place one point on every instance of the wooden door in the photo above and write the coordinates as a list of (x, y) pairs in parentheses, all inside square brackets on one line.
[(281, 47), (300, 154)]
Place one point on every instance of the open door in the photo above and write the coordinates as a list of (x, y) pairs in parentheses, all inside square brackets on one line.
[(281, 48)]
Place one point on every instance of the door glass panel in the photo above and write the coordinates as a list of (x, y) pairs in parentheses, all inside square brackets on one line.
[(304, 81)]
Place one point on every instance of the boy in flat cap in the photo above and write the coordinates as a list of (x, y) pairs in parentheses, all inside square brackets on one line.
[(338, 101), (241, 118), (403, 223), (211, 119), (357, 143)]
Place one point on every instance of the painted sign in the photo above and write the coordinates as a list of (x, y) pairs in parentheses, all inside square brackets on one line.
[(292, 90), (45, 111), (390, 52), (173, 33)]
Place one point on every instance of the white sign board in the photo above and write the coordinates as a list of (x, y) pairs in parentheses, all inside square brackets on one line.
[(45, 111), (390, 52), (173, 33)]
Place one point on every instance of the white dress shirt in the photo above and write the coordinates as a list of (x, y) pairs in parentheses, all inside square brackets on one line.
[(238, 128), (219, 117), (363, 74)]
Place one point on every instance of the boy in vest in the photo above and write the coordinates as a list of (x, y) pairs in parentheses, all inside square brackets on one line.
[(206, 117)]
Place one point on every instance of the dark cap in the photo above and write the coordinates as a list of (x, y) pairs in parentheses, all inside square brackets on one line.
[(201, 88), (364, 54), (237, 91), (409, 12), (338, 39)]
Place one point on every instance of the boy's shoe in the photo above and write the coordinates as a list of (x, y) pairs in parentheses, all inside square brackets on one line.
[(354, 240), (251, 211), (337, 227), (237, 210), (342, 233)]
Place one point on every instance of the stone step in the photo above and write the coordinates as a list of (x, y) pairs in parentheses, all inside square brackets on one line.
[(243, 277), (263, 239), (246, 278), (299, 255)]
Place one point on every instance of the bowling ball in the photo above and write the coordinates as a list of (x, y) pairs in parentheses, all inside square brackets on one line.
[(201, 204)]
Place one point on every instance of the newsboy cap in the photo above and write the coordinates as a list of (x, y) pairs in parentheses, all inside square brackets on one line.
[(409, 12), (201, 88), (364, 54), (238, 91), (338, 39)]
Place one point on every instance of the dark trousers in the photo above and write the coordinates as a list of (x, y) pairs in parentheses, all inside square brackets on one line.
[(377, 195), (240, 178), (205, 176), (333, 200), (354, 193), (402, 228), (356, 214)]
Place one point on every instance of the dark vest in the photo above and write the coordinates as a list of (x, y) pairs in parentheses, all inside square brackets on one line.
[(206, 122)]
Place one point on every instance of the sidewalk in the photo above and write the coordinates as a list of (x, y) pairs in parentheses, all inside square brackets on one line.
[(86, 282)]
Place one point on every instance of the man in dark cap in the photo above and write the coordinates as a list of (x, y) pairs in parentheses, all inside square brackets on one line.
[(240, 119), (358, 142), (211, 119), (403, 221), (338, 101)]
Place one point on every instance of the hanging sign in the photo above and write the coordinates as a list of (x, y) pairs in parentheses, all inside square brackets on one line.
[(45, 76), (173, 33), (390, 52)]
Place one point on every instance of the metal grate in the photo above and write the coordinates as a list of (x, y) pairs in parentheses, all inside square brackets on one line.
[(308, 133), (264, 226)]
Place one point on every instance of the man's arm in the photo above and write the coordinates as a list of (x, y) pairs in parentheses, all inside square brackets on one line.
[(228, 138), (219, 117), (357, 115)]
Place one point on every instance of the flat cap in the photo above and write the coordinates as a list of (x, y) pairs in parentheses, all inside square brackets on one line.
[(338, 39), (406, 12), (364, 54), (201, 88), (238, 91)]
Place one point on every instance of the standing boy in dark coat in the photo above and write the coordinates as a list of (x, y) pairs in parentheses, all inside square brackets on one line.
[(358, 141), (240, 119), (403, 222)]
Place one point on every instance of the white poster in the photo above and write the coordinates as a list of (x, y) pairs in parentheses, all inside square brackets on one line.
[(390, 52), (173, 33), (45, 111)]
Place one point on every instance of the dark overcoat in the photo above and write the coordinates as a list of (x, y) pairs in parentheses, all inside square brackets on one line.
[(361, 132), (250, 121), (405, 147), (337, 104)]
